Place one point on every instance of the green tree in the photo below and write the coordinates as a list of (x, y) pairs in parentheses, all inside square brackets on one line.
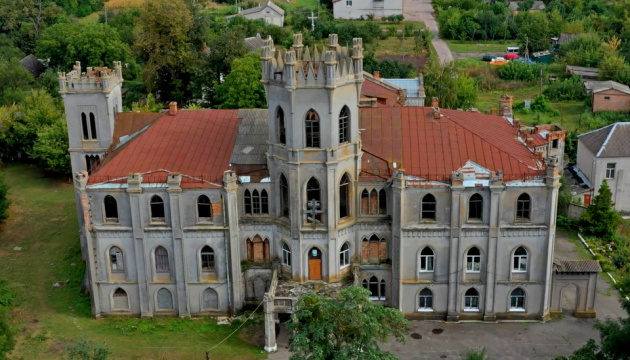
[(600, 218), (346, 327), (452, 88), (164, 47), (4, 208), (15, 81), (24, 20), (610, 66), (51, 147), (223, 49), (533, 30), (242, 87), (91, 44), (123, 20), (583, 50), (6, 300)]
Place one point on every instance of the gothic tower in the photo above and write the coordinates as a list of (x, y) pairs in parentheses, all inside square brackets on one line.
[(91, 100), (314, 151)]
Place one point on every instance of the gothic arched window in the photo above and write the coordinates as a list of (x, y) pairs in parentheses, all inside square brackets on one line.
[(523, 207), (84, 126), (312, 129), (313, 192), (111, 209), (282, 132), (92, 126), (284, 196), (204, 208), (344, 125), (344, 196)]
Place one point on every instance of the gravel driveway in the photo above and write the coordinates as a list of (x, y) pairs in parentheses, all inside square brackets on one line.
[(422, 10)]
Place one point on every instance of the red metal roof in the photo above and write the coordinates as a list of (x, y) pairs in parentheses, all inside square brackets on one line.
[(433, 148), (196, 143), (386, 94), (537, 140)]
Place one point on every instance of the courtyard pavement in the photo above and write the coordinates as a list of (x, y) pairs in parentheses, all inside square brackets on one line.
[(505, 340)]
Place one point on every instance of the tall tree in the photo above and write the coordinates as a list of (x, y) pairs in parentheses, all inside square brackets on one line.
[(26, 19), (600, 218), (242, 87), (164, 46), (51, 147), (346, 327), (454, 90)]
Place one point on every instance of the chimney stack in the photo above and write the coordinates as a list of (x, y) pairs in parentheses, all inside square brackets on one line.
[(435, 102), (494, 111), (377, 74), (172, 108)]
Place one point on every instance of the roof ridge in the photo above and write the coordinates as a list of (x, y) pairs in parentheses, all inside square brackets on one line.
[(603, 145), (491, 144), (596, 130)]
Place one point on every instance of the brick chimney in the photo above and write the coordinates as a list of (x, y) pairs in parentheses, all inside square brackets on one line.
[(494, 111), (172, 108), (505, 105), (377, 74), (435, 102)]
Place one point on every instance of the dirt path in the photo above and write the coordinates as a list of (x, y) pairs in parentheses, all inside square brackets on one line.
[(422, 10)]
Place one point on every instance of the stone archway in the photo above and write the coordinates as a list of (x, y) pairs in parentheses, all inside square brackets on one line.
[(569, 299)]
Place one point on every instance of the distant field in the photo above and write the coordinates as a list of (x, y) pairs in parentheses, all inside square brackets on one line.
[(39, 246), (479, 46), (124, 4)]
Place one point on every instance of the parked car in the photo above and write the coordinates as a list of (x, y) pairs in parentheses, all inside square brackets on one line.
[(511, 56), (486, 57), (498, 61)]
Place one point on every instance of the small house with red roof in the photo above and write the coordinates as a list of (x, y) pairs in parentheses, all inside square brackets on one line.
[(443, 214)]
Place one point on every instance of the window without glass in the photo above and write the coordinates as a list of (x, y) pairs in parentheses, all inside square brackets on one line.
[(519, 263), (282, 132), (255, 202), (523, 207), (157, 208), (610, 170), (207, 258), (473, 260), (475, 207), (284, 196), (91, 161), (382, 202), (264, 202), (425, 300), (161, 259), (377, 289), (428, 208), (164, 300), (374, 202), (248, 202), (344, 125), (312, 129), (286, 255), (517, 299), (427, 260), (554, 143), (344, 196), (84, 126), (111, 208), (92, 126), (116, 260), (313, 193), (344, 255), (204, 208), (471, 300)]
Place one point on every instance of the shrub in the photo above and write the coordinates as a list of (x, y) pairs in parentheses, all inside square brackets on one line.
[(540, 104), (566, 90), (564, 222), (86, 350), (516, 70)]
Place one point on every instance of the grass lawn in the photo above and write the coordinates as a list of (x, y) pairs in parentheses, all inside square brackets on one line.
[(43, 224), (480, 46), (90, 19)]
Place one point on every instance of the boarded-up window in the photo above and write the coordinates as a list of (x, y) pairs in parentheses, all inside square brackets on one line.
[(161, 259), (164, 300), (250, 250), (374, 247), (365, 202), (365, 249), (210, 299), (382, 250), (373, 202), (120, 300), (258, 250)]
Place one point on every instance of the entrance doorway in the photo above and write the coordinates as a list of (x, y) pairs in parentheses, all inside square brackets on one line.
[(569, 297), (314, 264)]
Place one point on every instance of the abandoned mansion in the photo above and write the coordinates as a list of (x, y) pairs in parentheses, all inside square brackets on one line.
[(443, 214)]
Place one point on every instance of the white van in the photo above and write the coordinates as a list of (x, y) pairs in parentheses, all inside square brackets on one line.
[(512, 49)]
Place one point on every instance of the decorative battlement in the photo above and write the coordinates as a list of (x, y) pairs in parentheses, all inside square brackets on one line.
[(298, 67), (98, 79)]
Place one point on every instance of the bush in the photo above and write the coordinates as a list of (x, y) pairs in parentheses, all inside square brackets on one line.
[(566, 90), (565, 222), (540, 104), (516, 70), (86, 350)]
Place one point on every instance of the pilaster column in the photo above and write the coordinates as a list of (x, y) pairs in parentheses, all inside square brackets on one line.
[(496, 190), (233, 250), (398, 203), (270, 324), (332, 216), (457, 188), (142, 257), (553, 185), (174, 193)]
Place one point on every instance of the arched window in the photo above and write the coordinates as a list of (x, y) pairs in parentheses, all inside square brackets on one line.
[(157, 208), (258, 250), (204, 208), (471, 299), (164, 299), (428, 208), (161, 259), (84, 126), (473, 260), (377, 289), (365, 202), (313, 193), (344, 125), (248, 202), (284, 196), (523, 207), (374, 248), (111, 208), (286, 254), (382, 290), (373, 202), (382, 202), (91, 161), (425, 300), (517, 299), (120, 299), (255, 202), (282, 131), (312, 129), (427, 260), (207, 258), (93, 126), (519, 260), (264, 202), (116, 259), (475, 207), (344, 196), (344, 255), (374, 287), (210, 300)]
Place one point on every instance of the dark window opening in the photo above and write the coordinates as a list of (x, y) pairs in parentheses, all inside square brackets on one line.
[(111, 208), (344, 125), (312, 129), (523, 207), (204, 207), (313, 193), (282, 132), (344, 196), (428, 208), (93, 126), (116, 260), (264, 202), (248, 202), (284, 196), (382, 202), (207, 258), (475, 207), (157, 208), (84, 125)]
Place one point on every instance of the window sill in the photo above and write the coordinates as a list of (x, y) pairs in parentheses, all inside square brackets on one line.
[(376, 298), (111, 221), (473, 272), (425, 310), (426, 271), (204, 221), (344, 266), (517, 310), (519, 272), (471, 310)]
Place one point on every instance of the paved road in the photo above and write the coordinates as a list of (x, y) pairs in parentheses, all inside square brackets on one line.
[(422, 10), (502, 341)]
